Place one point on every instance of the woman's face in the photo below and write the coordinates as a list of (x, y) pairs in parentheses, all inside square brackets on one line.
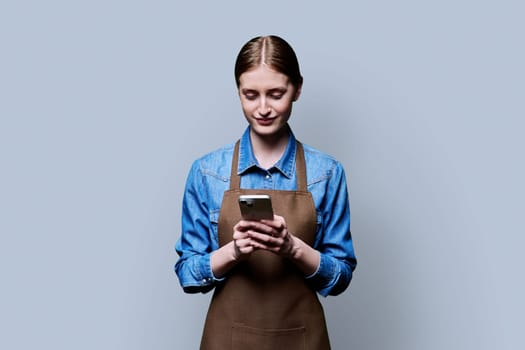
[(266, 99)]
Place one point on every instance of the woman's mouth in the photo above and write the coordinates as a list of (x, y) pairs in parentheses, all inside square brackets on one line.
[(265, 121)]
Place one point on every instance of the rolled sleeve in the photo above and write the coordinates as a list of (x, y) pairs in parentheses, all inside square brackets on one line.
[(332, 276), (337, 261), (195, 245), (195, 274)]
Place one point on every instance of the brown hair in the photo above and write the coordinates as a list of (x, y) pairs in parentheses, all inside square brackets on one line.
[(273, 51)]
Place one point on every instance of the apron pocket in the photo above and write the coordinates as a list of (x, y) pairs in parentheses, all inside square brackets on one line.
[(244, 338)]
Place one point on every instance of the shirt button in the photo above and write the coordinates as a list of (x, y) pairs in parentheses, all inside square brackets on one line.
[(268, 176)]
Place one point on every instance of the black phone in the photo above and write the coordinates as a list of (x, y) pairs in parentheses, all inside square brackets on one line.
[(256, 207)]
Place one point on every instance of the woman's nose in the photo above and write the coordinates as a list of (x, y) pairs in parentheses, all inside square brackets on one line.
[(264, 109)]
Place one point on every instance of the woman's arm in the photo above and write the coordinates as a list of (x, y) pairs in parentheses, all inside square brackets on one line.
[(329, 265), (335, 244), (195, 245)]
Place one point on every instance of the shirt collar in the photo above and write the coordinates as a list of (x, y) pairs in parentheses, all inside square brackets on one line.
[(247, 160)]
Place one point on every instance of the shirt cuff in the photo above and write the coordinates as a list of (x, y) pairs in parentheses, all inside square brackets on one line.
[(325, 274), (206, 272)]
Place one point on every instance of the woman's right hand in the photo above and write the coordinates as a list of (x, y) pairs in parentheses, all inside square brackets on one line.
[(225, 258), (242, 242)]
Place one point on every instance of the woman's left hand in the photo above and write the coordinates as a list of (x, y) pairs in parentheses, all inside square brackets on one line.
[(273, 235)]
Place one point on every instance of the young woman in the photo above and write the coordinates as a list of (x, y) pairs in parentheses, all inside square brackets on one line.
[(266, 273)]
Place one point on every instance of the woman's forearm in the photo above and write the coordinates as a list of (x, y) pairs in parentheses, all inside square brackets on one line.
[(223, 260), (306, 258)]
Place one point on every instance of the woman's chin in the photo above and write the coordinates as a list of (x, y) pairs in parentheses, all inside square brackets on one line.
[(270, 131)]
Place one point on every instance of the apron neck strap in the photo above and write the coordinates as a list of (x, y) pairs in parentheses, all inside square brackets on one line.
[(300, 168)]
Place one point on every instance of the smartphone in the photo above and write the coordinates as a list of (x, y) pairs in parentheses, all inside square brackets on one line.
[(256, 207)]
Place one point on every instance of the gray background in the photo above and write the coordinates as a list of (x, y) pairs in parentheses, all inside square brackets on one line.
[(105, 104)]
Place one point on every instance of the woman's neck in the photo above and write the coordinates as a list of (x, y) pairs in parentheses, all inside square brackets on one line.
[(269, 149)]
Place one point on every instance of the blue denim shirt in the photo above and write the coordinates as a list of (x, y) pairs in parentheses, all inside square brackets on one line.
[(209, 178)]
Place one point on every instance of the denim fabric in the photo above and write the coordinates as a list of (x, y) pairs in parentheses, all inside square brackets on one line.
[(209, 178)]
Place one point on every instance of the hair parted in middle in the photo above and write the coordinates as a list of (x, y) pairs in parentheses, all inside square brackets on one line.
[(272, 51)]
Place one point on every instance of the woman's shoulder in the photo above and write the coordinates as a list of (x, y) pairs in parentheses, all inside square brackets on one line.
[(216, 163), (321, 158), (320, 165)]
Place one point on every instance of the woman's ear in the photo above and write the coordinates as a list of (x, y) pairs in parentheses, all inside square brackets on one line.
[(298, 92)]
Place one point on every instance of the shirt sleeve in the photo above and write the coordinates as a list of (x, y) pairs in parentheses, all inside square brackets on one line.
[(338, 260), (195, 244)]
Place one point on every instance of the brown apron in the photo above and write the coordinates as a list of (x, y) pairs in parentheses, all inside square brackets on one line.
[(265, 304)]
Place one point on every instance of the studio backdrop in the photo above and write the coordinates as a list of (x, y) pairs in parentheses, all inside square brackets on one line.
[(104, 105)]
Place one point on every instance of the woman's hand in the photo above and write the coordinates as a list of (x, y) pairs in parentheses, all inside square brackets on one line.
[(226, 257), (249, 236), (271, 235), (242, 242)]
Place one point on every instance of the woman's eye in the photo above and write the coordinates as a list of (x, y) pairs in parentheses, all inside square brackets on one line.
[(276, 96), (250, 97)]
